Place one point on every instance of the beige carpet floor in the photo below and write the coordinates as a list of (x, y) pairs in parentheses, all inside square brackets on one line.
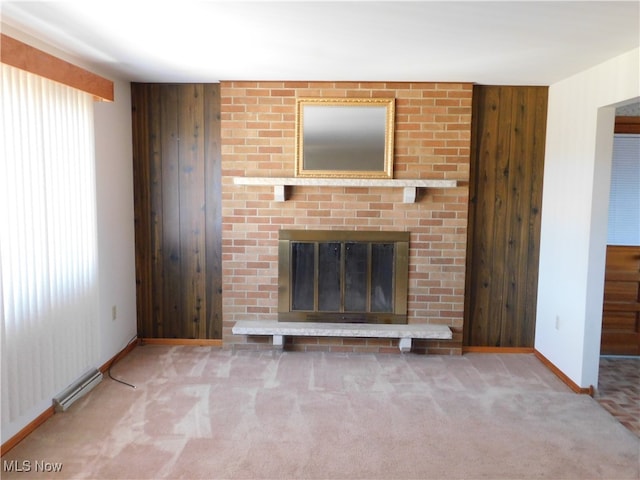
[(209, 413)]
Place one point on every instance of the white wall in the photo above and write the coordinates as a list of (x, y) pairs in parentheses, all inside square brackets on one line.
[(114, 189), (581, 114)]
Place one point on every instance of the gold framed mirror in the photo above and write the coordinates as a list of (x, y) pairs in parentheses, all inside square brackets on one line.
[(345, 137)]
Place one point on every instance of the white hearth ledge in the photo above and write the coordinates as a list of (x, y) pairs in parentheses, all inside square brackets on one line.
[(405, 333), (279, 183)]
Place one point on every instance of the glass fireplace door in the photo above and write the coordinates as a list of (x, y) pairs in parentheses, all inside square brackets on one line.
[(343, 280)]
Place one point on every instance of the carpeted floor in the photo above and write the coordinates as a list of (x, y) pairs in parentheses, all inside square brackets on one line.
[(208, 413)]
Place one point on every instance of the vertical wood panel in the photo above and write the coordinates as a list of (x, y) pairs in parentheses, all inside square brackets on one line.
[(538, 128), (482, 187), (499, 238), (155, 316), (193, 221), (213, 210), (516, 185), (504, 222), (621, 307), (170, 279), (140, 105), (177, 175), (537, 132)]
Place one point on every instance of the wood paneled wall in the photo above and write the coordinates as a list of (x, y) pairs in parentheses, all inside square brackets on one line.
[(621, 309), (507, 157), (177, 195)]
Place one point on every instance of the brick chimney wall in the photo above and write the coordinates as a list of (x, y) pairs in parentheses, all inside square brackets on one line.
[(432, 141)]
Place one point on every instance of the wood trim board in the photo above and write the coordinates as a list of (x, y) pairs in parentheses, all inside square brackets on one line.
[(570, 383), (480, 349), (196, 342), (26, 431), (32, 60), (627, 125)]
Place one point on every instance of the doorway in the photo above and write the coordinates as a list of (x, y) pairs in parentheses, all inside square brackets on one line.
[(621, 304), (619, 367)]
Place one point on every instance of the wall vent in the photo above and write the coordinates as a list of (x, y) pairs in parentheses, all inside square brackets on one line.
[(76, 390)]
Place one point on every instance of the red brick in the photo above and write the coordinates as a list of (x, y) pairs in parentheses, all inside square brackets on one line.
[(432, 140)]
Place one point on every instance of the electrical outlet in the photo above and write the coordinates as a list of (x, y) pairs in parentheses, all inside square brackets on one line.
[(114, 312)]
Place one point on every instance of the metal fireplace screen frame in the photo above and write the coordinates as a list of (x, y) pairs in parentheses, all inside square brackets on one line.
[(345, 265)]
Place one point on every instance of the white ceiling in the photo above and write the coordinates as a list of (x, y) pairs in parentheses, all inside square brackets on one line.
[(515, 43)]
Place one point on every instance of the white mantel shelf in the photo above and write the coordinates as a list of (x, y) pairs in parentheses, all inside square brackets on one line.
[(279, 183)]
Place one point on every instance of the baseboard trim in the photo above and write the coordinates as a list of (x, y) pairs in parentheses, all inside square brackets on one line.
[(497, 350), (125, 351), (49, 412), (570, 383), (24, 433), (197, 342)]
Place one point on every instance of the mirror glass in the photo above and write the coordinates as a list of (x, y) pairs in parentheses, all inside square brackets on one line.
[(345, 138)]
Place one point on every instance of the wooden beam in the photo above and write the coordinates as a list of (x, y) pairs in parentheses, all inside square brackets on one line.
[(627, 125), (32, 60)]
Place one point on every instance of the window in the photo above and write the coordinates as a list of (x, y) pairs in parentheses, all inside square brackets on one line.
[(48, 239), (624, 198)]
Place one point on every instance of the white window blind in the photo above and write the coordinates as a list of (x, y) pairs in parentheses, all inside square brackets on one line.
[(624, 199), (48, 240)]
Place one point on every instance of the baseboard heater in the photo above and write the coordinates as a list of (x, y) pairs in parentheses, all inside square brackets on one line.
[(76, 390)]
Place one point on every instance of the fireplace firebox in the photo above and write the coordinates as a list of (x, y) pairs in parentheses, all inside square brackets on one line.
[(343, 276)]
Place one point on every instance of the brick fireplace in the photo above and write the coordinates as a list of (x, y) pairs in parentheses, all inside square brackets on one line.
[(432, 138)]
